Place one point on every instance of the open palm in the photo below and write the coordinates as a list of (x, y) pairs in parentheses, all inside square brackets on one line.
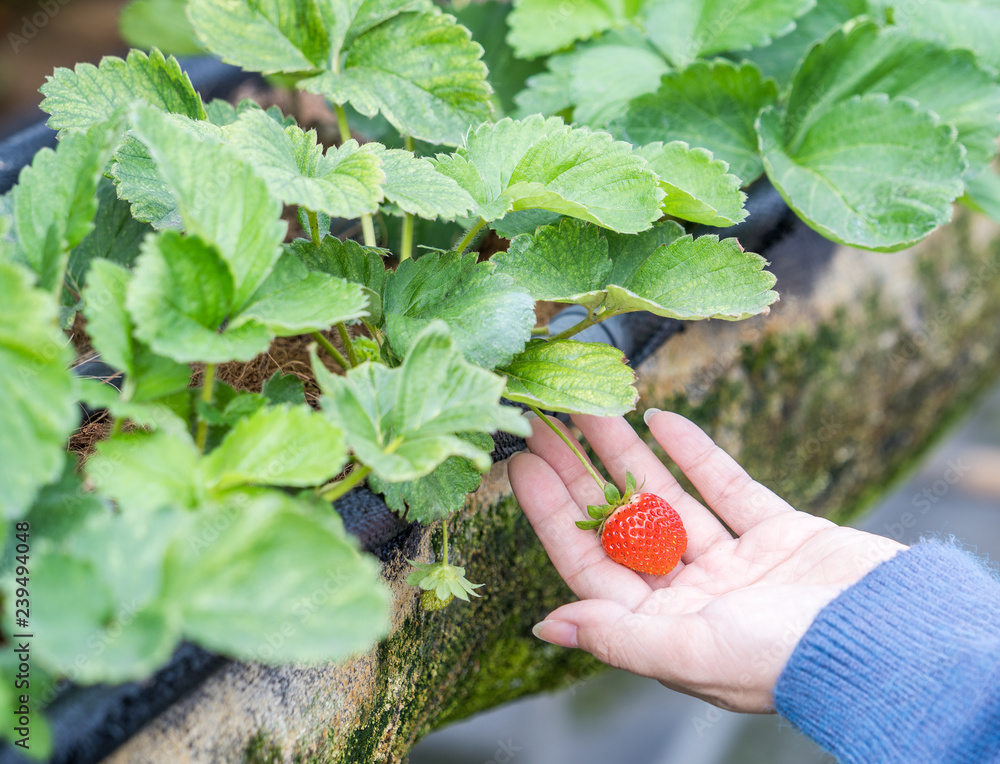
[(723, 623)]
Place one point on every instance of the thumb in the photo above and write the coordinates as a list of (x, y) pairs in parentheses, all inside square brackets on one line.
[(635, 641)]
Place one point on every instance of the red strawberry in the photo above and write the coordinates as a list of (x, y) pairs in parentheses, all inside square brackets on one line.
[(641, 531)]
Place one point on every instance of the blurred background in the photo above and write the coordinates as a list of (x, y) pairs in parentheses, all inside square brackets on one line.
[(615, 716)]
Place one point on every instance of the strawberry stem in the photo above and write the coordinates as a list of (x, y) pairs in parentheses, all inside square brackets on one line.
[(572, 447), (444, 540)]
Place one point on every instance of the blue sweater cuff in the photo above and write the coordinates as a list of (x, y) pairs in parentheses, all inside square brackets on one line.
[(904, 666)]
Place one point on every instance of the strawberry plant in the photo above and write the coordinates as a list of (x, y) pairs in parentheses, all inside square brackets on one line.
[(205, 513)]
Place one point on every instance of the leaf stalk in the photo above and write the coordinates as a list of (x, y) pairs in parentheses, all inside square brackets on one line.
[(335, 354), (601, 482), (338, 489), (207, 391), (470, 236), (314, 227), (345, 337), (367, 226), (592, 319)]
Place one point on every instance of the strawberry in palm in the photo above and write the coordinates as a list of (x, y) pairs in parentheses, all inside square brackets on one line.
[(638, 530)]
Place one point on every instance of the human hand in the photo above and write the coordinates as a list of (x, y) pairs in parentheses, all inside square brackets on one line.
[(724, 622)]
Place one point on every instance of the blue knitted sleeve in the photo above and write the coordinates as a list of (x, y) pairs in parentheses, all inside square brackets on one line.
[(904, 666)]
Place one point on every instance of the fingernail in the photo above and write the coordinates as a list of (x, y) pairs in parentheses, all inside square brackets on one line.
[(649, 414), (529, 415), (556, 632)]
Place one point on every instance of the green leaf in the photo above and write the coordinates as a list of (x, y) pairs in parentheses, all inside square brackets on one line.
[(286, 445), (575, 262), (347, 260), (138, 181), (870, 173), (54, 201), (273, 579), (488, 316), (488, 23), (79, 621), (863, 59), (116, 237), (659, 271), (564, 263), (982, 194), (344, 182), (62, 507), (970, 24), (524, 221), (180, 298), (144, 471), (709, 105), (78, 99), (294, 300), (75, 604), (629, 253), (37, 388), (285, 37), (538, 27), (148, 376), (404, 422), (128, 549), (159, 24), (415, 186), (284, 388), (780, 59), (688, 29), (699, 278), (699, 188), (548, 92), (220, 197), (571, 376), (605, 77), (421, 71), (542, 163), (437, 495)]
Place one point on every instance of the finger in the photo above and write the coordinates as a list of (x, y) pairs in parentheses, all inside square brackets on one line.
[(736, 497), (622, 450), (576, 554), (653, 645)]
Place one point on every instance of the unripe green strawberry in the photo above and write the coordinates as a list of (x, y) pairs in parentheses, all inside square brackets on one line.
[(366, 349), (430, 601), (641, 530)]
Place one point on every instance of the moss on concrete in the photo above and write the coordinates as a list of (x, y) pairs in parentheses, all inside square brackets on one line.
[(262, 750)]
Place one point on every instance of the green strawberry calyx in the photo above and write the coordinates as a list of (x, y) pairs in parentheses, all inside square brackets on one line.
[(601, 512)]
